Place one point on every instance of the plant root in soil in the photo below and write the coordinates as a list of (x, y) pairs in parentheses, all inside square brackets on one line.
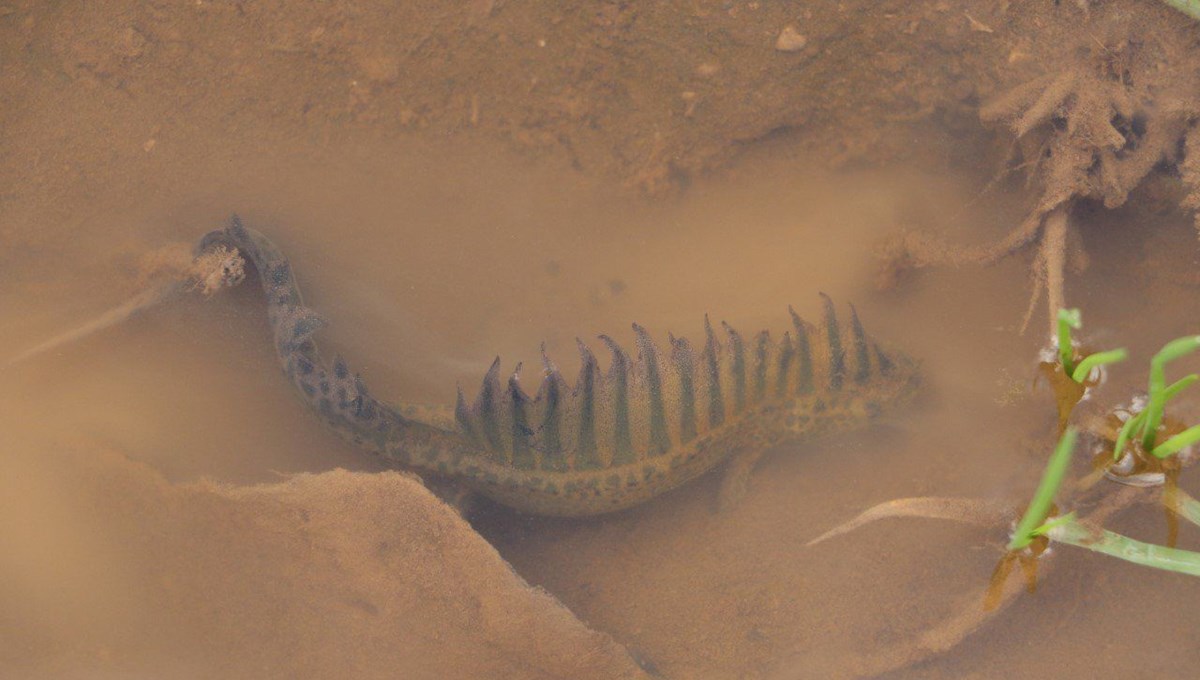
[(1091, 131)]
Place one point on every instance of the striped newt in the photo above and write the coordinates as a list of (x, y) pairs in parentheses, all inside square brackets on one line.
[(616, 438)]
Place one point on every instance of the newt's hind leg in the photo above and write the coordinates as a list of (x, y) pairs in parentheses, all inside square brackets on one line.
[(736, 478)]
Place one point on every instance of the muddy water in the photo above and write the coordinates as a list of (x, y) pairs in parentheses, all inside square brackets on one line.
[(428, 261)]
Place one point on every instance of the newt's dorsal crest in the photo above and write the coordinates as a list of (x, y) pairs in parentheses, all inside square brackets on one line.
[(665, 400), (614, 438)]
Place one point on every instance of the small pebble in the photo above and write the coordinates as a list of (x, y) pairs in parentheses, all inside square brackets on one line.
[(130, 43), (790, 40), (379, 68)]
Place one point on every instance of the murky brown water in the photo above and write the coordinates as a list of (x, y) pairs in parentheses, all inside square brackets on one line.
[(429, 257)]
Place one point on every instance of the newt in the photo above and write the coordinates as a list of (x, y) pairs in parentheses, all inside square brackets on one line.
[(617, 437)]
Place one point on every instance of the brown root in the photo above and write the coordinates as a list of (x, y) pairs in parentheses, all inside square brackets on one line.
[(911, 250), (1051, 263), (1092, 130), (976, 609), (966, 510)]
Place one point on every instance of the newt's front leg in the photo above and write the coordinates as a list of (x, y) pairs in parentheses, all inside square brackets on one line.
[(735, 478)]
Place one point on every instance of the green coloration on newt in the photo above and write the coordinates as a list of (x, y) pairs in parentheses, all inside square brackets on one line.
[(617, 438)]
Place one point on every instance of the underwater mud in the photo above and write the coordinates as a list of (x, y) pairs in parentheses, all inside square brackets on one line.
[(448, 190)]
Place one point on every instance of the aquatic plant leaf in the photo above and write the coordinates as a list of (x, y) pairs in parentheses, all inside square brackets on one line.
[(1125, 548), (1179, 385), (1067, 319), (1039, 507), (1171, 351), (1092, 361), (1188, 7), (1178, 443), (1133, 423)]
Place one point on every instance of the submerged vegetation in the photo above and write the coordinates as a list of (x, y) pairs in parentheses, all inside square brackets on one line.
[(1080, 367), (1141, 449), (1076, 369), (1036, 523)]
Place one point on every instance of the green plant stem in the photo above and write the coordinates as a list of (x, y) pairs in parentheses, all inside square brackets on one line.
[(1126, 433), (1053, 522), (1091, 361), (1188, 7), (1073, 533), (1135, 421), (1158, 381), (1067, 319), (1178, 442), (1039, 507), (1179, 386)]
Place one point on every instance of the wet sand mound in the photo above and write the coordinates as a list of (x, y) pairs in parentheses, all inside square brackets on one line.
[(334, 574)]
